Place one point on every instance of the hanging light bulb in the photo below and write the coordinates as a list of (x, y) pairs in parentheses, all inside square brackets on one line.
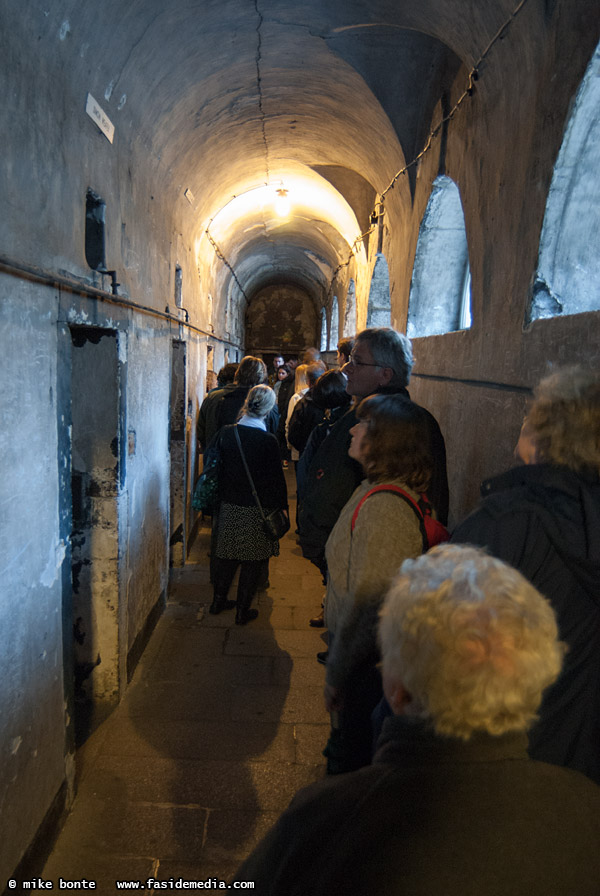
[(282, 202)]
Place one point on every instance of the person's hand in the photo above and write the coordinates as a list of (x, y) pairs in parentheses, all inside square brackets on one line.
[(332, 697)]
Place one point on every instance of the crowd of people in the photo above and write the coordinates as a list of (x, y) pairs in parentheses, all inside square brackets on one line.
[(462, 681)]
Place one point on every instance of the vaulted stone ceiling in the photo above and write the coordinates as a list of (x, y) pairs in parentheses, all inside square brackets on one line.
[(325, 98)]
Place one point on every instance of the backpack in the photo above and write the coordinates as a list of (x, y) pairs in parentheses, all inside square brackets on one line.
[(432, 531), (206, 493)]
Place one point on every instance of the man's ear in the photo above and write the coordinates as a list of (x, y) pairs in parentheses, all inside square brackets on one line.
[(396, 695), (386, 375)]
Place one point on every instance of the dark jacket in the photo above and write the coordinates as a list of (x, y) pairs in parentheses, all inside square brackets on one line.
[(305, 416), (262, 456), (333, 476), (207, 425), (545, 521), (436, 817), (286, 390), (319, 433)]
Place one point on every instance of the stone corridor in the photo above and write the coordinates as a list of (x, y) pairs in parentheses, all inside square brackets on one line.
[(220, 727)]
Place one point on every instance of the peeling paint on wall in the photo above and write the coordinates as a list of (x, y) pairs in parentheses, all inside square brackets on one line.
[(281, 318), (53, 567)]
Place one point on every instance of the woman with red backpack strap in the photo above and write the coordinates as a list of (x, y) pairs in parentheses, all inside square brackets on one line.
[(383, 523)]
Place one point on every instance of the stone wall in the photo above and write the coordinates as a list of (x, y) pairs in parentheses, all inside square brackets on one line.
[(500, 149), (281, 319)]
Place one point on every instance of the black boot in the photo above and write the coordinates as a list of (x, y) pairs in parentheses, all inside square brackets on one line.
[(219, 604), (263, 581), (243, 613), (242, 616)]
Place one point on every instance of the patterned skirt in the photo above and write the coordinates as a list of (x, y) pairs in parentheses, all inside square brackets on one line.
[(240, 534)]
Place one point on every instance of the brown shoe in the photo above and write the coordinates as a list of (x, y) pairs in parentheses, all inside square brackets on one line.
[(318, 621)]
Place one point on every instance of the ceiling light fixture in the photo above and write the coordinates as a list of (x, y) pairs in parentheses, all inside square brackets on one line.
[(282, 202)]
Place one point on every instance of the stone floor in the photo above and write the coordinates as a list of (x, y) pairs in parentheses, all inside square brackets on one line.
[(218, 729)]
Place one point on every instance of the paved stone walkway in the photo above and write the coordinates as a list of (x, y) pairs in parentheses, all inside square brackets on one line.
[(218, 729)]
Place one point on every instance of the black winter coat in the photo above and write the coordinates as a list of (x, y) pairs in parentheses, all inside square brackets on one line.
[(305, 416), (319, 433), (262, 456), (545, 521)]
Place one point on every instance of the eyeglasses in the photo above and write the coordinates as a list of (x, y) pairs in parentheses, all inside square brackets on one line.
[(356, 362)]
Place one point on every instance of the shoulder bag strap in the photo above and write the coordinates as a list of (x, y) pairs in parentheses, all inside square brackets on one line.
[(395, 490), (250, 480)]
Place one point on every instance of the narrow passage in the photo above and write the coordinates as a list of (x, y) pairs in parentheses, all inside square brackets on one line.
[(219, 728)]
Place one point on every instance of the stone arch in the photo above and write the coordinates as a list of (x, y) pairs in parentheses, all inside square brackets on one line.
[(350, 310), (379, 309), (334, 329), (324, 345), (567, 279), (440, 291)]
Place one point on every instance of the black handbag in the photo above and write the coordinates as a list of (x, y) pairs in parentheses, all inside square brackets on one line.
[(276, 523)]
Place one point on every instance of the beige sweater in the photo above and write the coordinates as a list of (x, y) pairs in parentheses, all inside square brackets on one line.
[(361, 565)]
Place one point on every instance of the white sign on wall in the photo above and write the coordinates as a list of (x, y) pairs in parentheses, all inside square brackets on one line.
[(100, 118)]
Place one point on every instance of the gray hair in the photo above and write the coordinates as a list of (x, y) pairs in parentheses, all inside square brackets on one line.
[(564, 419), (471, 640), (390, 349), (259, 401)]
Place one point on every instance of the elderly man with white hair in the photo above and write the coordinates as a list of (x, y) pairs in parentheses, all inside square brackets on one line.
[(452, 803)]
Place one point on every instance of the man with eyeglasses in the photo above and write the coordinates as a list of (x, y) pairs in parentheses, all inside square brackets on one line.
[(380, 362)]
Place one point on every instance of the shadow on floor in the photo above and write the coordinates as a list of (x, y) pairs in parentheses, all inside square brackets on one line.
[(220, 727)]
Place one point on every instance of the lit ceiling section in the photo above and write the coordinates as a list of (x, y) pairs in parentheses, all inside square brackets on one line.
[(309, 196), (307, 259), (303, 244)]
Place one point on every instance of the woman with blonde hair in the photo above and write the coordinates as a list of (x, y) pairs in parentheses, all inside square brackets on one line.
[(301, 386), (544, 519)]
